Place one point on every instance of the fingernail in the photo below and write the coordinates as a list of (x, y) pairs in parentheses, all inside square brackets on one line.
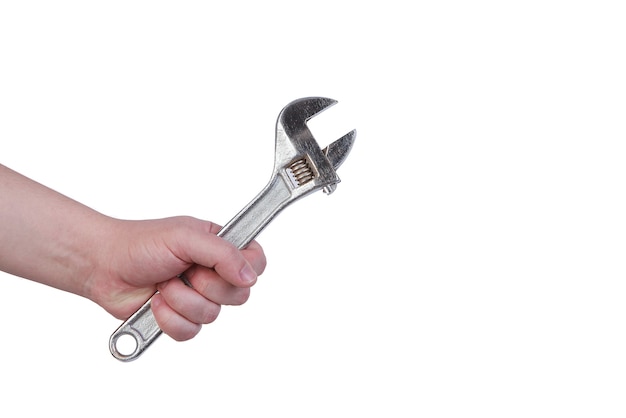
[(247, 274)]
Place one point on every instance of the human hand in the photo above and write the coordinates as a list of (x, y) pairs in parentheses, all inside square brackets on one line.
[(141, 257), (120, 264)]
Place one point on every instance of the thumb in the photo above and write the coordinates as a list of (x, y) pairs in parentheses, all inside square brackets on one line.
[(196, 241)]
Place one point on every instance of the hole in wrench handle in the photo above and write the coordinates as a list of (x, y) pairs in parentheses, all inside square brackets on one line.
[(142, 327)]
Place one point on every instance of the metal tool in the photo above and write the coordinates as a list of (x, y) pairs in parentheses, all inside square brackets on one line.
[(300, 168)]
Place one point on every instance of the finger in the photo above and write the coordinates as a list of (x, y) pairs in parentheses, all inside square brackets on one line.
[(188, 302), (211, 286), (254, 254), (198, 244), (173, 324)]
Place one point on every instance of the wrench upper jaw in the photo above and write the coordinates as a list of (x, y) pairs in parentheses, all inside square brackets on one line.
[(292, 133), (294, 116)]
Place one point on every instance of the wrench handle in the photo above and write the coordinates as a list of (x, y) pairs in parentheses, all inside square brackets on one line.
[(240, 231), (141, 327), (251, 220)]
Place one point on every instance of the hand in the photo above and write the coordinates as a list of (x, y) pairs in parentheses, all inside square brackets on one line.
[(54, 240), (144, 256)]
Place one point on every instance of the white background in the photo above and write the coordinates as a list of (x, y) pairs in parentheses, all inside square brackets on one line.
[(471, 262)]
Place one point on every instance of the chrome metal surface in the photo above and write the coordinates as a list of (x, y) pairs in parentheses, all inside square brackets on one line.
[(301, 167)]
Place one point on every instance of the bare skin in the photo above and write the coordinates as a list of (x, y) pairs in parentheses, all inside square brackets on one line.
[(118, 264)]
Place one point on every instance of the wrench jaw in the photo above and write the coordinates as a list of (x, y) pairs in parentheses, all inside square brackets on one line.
[(304, 167), (295, 115), (337, 152), (301, 162)]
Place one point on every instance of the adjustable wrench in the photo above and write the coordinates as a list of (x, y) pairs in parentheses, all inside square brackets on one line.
[(300, 168)]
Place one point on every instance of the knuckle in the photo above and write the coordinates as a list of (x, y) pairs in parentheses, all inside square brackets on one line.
[(204, 287), (184, 222), (232, 253)]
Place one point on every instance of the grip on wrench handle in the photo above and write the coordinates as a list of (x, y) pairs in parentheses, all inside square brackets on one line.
[(240, 231)]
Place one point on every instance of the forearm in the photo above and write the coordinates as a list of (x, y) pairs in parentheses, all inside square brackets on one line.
[(45, 236)]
